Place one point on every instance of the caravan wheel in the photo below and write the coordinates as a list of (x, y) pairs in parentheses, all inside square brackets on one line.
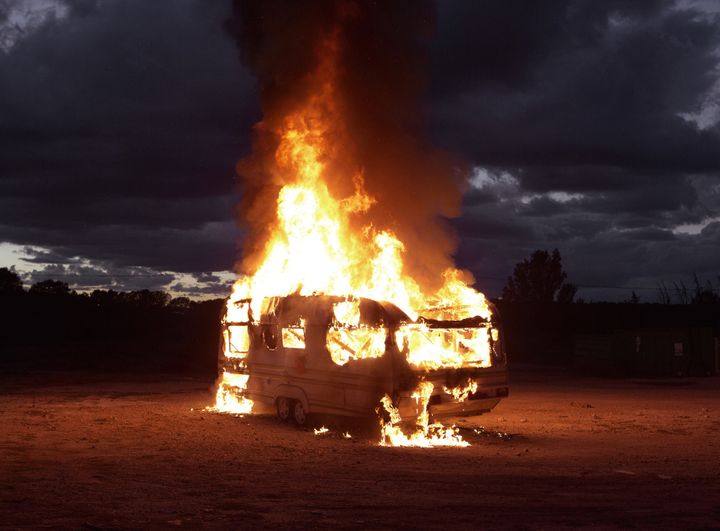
[(299, 413), (282, 405)]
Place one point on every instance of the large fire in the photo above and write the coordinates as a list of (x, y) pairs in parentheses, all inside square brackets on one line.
[(318, 246)]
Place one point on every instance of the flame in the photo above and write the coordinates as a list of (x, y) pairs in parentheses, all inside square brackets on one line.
[(426, 435), (321, 242), (461, 393), (229, 396), (348, 340), (430, 348), (315, 245), (347, 313), (294, 336), (347, 344)]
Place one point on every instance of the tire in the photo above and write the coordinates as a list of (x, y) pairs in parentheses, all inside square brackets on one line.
[(299, 414), (284, 407)]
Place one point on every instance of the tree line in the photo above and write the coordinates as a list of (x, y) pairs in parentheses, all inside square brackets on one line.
[(51, 326), (541, 278)]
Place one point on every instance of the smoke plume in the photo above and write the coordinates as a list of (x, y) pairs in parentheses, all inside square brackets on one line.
[(377, 52)]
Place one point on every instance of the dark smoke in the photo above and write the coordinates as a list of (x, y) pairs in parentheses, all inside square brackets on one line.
[(383, 48)]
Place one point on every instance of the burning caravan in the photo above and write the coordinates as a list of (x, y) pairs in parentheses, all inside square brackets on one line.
[(332, 355)]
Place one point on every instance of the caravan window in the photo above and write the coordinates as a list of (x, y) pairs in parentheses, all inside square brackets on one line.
[(293, 337), (237, 341), (354, 343), (270, 336)]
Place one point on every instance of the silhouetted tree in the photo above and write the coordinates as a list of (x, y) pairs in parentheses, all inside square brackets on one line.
[(101, 297), (148, 299), (663, 293), (539, 279), (700, 294), (566, 293), (704, 294), (10, 283), (180, 304), (682, 293), (50, 287)]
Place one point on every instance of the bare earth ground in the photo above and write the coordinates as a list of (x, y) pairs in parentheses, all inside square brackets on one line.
[(99, 452)]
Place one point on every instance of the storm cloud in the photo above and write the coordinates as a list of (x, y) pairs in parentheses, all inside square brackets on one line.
[(121, 124), (593, 128), (588, 126)]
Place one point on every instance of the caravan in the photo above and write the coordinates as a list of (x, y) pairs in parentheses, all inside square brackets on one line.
[(332, 355)]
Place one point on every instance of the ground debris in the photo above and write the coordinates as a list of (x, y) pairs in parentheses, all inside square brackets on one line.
[(481, 431), (624, 472)]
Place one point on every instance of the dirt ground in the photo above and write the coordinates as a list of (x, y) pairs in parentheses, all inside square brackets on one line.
[(93, 452)]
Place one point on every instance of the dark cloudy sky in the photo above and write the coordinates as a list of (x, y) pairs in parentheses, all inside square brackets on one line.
[(589, 126)]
